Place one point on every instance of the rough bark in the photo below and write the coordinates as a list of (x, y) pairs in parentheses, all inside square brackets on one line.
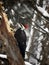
[(11, 47)]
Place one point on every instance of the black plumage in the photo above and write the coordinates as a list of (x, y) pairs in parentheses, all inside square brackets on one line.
[(21, 39)]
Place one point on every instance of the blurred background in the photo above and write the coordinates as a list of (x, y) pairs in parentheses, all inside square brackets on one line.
[(34, 16)]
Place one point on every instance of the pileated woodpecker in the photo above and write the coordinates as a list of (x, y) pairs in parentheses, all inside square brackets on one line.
[(21, 39)]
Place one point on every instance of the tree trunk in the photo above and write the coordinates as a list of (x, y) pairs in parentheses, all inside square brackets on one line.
[(11, 47)]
